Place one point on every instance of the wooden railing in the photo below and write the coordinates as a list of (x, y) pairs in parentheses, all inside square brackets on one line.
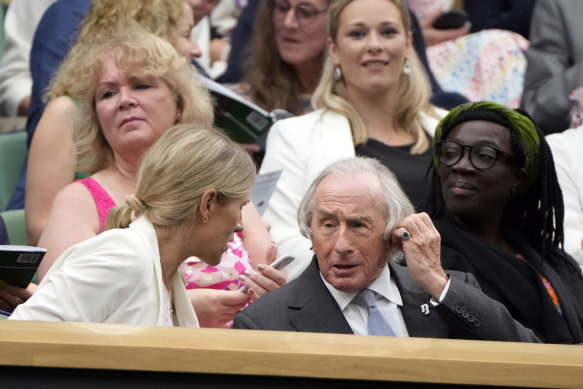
[(32, 352)]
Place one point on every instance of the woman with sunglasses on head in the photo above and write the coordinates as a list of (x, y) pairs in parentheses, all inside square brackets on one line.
[(499, 209)]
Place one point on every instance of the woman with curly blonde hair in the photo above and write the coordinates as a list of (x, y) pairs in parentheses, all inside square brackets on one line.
[(131, 89), (171, 20)]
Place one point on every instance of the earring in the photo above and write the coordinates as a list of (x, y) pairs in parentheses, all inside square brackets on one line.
[(512, 192), (205, 218), (178, 116), (407, 67), (337, 73)]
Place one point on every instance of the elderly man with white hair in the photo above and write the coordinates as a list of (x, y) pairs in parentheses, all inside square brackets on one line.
[(361, 223)]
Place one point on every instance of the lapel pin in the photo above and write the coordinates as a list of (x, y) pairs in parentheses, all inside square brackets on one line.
[(425, 309)]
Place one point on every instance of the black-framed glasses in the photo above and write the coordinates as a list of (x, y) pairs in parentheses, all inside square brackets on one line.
[(304, 13), (482, 156)]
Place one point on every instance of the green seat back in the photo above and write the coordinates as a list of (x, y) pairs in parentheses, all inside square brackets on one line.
[(3, 8), (14, 220), (12, 157)]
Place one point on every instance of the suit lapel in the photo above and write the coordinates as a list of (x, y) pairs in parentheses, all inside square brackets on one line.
[(420, 317), (313, 308)]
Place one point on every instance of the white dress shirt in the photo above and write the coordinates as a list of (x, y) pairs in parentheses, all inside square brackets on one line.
[(388, 300)]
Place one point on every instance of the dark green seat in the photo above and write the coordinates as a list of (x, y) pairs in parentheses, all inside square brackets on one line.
[(14, 220), (12, 158)]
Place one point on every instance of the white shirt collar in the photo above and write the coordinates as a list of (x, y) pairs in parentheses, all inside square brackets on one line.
[(383, 285)]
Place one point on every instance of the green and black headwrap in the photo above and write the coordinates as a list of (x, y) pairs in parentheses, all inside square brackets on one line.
[(522, 131)]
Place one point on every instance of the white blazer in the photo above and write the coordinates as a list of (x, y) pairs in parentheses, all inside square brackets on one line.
[(567, 148), (115, 277), (303, 146)]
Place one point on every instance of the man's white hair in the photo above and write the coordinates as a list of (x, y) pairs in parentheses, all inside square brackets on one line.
[(394, 201)]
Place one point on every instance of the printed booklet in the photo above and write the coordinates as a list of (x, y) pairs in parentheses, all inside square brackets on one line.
[(244, 121), (18, 264)]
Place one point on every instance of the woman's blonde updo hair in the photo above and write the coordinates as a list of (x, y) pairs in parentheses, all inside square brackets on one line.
[(185, 162), (137, 53), (414, 91)]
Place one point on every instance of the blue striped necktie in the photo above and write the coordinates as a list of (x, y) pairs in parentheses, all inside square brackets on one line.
[(376, 323)]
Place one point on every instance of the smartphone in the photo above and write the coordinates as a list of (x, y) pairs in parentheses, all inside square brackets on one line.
[(455, 18), (278, 264)]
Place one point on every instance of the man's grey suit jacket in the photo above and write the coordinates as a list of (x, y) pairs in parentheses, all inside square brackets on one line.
[(306, 305)]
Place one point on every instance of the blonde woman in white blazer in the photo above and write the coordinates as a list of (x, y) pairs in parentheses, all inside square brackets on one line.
[(115, 277), (373, 88), (191, 187)]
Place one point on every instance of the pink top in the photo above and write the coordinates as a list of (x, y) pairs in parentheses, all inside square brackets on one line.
[(102, 199), (234, 262)]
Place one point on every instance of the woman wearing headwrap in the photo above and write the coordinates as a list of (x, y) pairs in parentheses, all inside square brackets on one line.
[(499, 209)]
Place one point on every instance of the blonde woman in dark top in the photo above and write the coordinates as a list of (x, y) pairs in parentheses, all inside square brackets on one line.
[(373, 95)]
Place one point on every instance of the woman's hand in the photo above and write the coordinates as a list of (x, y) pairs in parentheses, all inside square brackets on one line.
[(263, 280), (216, 308), (12, 296), (422, 251)]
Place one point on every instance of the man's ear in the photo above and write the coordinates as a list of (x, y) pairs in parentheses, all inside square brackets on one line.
[(207, 202), (390, 248)]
